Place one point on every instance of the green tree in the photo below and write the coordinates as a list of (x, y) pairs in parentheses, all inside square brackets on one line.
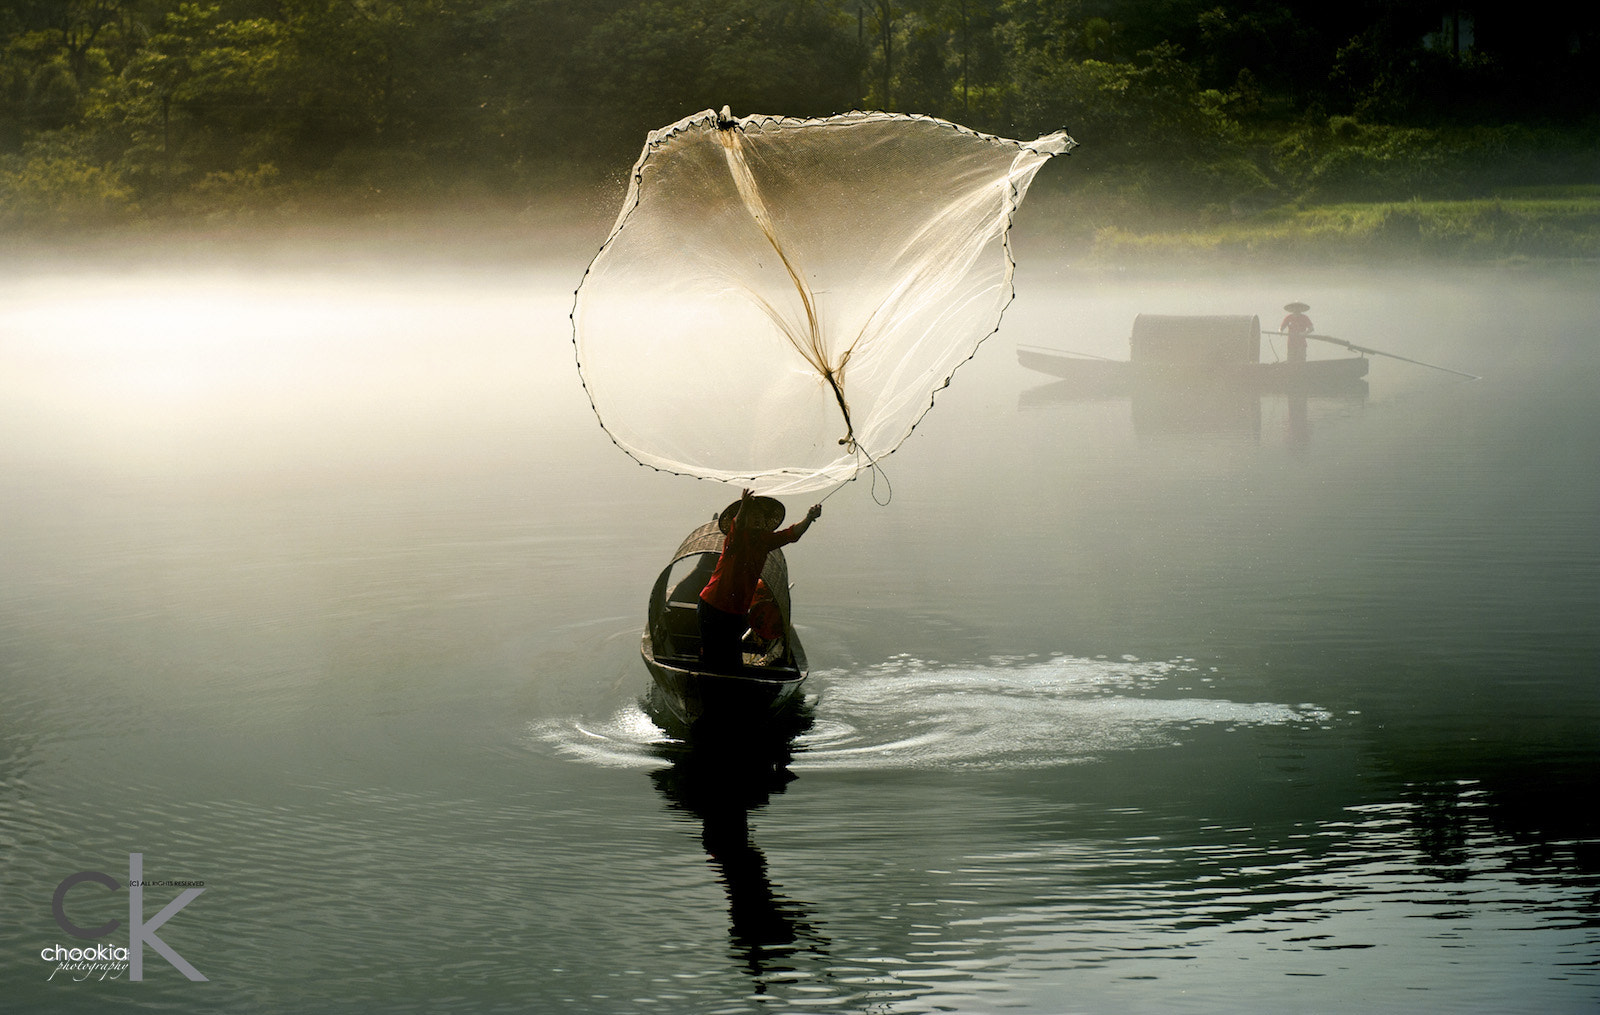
[(1145, 123), (203, 94), (53, 53), (950, 60), (654, 61)]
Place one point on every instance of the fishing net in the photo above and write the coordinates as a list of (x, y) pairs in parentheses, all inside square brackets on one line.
[(780, 299)]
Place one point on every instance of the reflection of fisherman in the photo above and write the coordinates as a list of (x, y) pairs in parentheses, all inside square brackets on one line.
[(725, 603), (723, 783), (1297, 326)]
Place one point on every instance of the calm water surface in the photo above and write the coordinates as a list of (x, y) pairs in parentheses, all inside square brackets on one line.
[(322, 586)]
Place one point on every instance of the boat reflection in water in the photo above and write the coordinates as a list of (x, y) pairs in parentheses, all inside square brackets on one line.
[(1165, 410), (1196, 375), (721, 781)]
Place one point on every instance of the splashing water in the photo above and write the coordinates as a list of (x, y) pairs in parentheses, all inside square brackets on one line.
[(1009, 713)]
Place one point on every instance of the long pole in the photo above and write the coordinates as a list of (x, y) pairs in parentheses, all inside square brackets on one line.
[(1379, 352)]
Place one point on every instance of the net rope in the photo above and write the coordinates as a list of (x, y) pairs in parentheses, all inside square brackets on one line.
[(780, 300)]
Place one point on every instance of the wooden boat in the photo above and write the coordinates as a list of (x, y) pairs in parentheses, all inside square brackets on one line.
[(764, 690), (1200, 354), (1342, 375)]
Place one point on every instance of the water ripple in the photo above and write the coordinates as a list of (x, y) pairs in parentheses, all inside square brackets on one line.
[(628, 738), (1007, 713)]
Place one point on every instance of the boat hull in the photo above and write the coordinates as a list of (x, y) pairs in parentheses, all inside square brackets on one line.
[(698, 699)]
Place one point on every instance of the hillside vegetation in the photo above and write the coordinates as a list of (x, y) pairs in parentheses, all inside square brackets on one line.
[(1233, 126)]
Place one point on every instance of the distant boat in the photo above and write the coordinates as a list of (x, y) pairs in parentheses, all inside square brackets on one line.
[(1197, 353), (766, 687), (1332, 376)]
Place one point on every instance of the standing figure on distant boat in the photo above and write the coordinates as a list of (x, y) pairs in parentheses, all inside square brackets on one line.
[(750, 531), (1297, 326)]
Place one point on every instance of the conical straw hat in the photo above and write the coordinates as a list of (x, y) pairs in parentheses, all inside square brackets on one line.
[(766, 514)]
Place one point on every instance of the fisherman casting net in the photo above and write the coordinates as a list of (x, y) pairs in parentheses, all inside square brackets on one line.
[(780, 299)]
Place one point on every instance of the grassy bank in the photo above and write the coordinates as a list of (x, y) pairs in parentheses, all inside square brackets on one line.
[(1553, 224)]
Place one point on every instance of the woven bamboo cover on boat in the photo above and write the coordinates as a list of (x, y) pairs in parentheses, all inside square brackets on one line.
[(1165, 338), (775, 572)]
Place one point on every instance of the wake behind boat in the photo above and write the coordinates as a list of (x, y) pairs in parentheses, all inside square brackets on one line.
[(765, 686)]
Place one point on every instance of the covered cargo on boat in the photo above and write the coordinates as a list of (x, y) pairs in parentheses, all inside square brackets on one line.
[(1163, 338)]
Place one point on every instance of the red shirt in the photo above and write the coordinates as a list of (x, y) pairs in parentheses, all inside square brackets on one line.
[(733, 583), (1296, 324)]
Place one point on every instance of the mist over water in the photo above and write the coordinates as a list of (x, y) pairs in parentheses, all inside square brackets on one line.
[(323, 586)]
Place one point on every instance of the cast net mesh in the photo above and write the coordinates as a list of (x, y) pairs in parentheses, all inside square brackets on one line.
[(780, 299)]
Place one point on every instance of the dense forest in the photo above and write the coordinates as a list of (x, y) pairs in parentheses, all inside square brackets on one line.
[(125, 108)]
